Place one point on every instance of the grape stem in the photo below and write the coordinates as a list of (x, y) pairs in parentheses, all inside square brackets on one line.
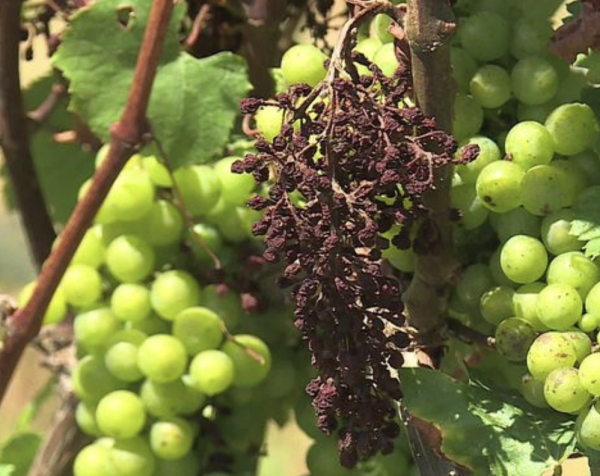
[(14, 138), (469, 335), (127, 135)]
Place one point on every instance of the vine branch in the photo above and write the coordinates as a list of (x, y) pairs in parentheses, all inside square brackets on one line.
[(14, 138), (429, 25), (126, 136)]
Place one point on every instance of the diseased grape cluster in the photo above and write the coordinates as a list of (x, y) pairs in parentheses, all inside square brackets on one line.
[(349, 160)]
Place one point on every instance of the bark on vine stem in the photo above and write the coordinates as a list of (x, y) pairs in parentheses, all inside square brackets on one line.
[(126, 136), (14, 138), (429, 25)]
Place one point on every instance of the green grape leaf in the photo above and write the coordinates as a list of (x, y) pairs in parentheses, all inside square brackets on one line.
[(485, 430), (61, 167), (7, 469), (19, 451), (592, 248), (594, 461), (194, 102)]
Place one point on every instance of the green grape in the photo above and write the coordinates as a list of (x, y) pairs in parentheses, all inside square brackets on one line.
[(93, 329), (91, 461), (529, 144), (468, 117), (188, 465), (198, 329), (534, 81), (380, 28), (496, 271), (530, 37), (533, 391), (485, 35), (303, 64), (120, 414), (226, 303), (514, 336), (473, 213), (244, 430), (548, 352), (199, 187), (463, 68), (130, 457), (129, 199), (251, 359), (131, 302), (85, 416), (212, 372), (588, 322), (545, 189), (171, 439), (172, 292), (165, 400), (130, 259), (525, 304), (573, 128), (236, 189), (322, 458), (537, 113), (564, 392), (368, 47), (581, 343), (499, 186), (402, 260), (490, 86), (572, 84), (515, 222), (474, 281), (592, 300), (496, 304), (91, 251), (589, 163), (574, 269), (159, 174), (235, 223), (556, 234), (587, 428), (203, 237), (121, 360), (81, 285), (150, 326), (133, 336), (282, 379), (386, 59), (269, 120), (57, 309), (488, 153), (523, 259), (576, 179), (162, 358), (559, 306), (589, 374), (306, 418), (92, 380), (163, 225)]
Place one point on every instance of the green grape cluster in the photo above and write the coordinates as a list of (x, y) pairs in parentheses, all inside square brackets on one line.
[(532, 282), (169, 362)]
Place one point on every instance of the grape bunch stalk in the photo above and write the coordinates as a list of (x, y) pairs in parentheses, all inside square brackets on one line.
[(348, 158)]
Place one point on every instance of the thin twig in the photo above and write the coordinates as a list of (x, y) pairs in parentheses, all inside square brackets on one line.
[(126, 137), (14, 138), (38, 116), (198, 26), (469, 335)]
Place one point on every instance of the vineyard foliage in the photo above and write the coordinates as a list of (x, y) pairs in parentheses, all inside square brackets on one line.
[(268, 256)]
